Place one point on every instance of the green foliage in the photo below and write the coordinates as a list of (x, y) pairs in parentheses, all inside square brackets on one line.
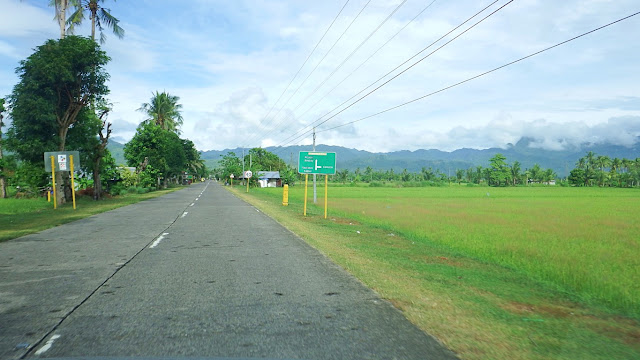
[(127, 178), (31, 177), (499, 172), (164, 111), (230, 164), (148, 177), (599, 170), (101, 15), (56, 83)]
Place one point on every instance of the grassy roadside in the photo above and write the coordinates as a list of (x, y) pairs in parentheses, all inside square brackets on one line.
[(19, 217), (478, 309)]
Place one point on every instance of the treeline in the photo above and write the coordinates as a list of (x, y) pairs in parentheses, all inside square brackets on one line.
[(498, 173), (255, 160), (601, 170), (160, 157)]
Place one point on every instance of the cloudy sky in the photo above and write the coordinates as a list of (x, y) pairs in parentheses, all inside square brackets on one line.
[(231, 62)]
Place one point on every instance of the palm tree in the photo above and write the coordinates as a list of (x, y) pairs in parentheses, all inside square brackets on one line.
[(515, 171), (61, 7), (602, 161), (99, 16), (164, 111)]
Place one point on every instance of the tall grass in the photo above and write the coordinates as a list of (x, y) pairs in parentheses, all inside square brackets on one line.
[(583, 240)]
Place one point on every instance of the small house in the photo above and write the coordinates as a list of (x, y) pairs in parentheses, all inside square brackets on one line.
[(269, 179)]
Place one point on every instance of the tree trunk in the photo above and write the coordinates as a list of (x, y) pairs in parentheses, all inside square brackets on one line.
[(97, 184), (93, 25), (3, 184), (61, 15)]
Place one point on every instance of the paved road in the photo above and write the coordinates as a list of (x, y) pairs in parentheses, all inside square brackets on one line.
[(195, 273)]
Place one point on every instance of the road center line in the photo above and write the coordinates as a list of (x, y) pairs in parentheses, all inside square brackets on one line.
[(47, 345), (184, 214), (155, 243), (192, 204)]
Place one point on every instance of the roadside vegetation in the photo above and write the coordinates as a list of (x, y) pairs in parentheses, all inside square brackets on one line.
[(61, 104), (23, 216), (512, 273)]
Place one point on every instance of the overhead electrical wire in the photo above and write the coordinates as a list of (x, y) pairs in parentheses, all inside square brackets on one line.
[(484, 73), (307, 59), (324, 57), (319, 122), (284, 119), (359, 66)]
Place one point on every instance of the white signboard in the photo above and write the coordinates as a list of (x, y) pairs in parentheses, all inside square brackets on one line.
[(61, 160), (248, 174)]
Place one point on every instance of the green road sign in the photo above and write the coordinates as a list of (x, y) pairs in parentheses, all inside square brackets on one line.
[(312, 162)]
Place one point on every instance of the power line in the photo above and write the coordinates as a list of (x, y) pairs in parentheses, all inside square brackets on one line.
[(321, 60), (484, 73), (307, 59), (284, 119), (318, 122), (359, 66), (352, 53)]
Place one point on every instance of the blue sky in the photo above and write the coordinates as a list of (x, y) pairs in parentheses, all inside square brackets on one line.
[(229, 61)]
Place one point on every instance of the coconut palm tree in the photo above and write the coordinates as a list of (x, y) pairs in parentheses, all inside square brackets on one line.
[(100, 17), (515, 172), (164, 111), (61, 7)]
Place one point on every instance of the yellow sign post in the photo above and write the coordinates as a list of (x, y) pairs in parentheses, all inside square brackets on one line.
[(53, 180), (306, 182), (326, 187), (73, 188), (285, 195)]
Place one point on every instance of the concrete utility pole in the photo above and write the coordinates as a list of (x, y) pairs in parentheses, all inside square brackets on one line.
[(315, 193)]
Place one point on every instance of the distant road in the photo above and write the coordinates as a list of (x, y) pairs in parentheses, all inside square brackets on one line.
[(195, 273)]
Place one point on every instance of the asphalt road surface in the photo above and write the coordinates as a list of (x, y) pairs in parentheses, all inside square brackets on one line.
[(195, 273)]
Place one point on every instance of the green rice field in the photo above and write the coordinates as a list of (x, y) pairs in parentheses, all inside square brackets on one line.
[(518, 273), (586, 240)]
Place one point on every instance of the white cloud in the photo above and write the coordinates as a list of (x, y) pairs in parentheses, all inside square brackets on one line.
[(230, 61)]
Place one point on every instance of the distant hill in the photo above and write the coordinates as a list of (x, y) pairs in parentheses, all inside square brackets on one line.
[(117, 151), (561, 161)]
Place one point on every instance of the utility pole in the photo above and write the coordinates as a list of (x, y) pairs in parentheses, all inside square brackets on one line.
[(315, 194)]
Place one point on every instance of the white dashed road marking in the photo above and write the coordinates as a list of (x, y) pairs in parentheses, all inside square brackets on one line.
[(47, 345), (155, 243)]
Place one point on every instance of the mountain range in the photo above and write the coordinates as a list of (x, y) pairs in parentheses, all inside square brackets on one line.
[(561, 161)]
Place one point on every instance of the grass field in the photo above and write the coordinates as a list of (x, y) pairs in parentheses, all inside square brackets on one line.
[(519, 273), (19, 217)]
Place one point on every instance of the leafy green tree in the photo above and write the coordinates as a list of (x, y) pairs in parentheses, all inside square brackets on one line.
[(159, 149), (499, 170), (459, 175), (56, 83), (99, 16), (230, 164), (577, 177), (343, 175), (368, 173), (479, 173), (164, 111)]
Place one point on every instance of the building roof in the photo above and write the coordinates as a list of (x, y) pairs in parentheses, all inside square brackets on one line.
[(268, 175)]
